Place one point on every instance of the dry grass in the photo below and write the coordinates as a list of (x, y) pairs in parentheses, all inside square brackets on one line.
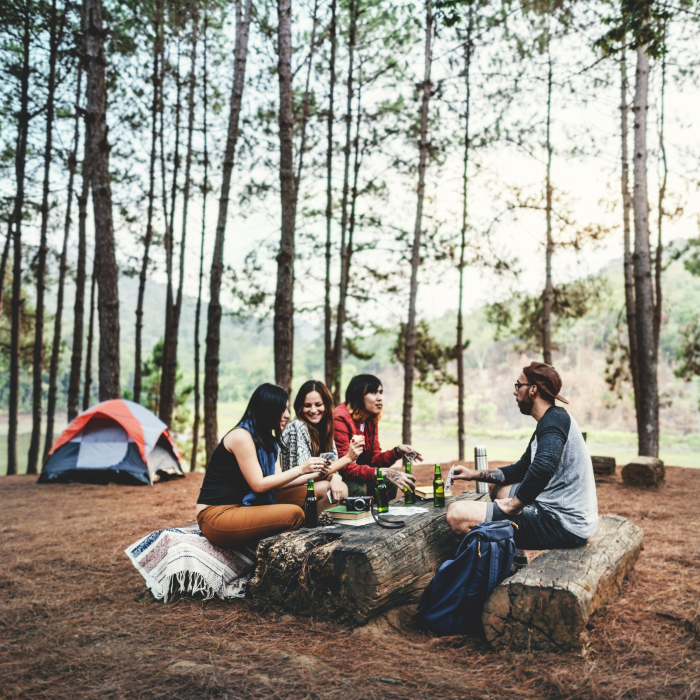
[(77, 622)]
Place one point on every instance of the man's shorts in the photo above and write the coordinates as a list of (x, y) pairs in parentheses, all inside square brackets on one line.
[(537, 529)]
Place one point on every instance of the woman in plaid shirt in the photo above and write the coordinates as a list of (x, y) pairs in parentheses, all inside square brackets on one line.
[(310, 434)]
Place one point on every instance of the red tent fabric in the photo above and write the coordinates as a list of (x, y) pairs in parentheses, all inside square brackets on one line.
[(141, 425)]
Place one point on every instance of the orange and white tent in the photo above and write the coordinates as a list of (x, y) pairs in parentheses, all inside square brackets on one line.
[(116, 440)]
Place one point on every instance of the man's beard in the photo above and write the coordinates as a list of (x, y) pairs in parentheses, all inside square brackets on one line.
[(526, 405)]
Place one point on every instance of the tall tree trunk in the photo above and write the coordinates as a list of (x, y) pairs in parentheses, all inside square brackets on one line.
[(628, 265), (148, 238), (347, 257), (648, 418), (87, 389), (284, 295), (167, 388), (327, 316), (548, 295), (3, 263), (459, 349), (211, 359), (305, 105), (56, 344), (96, 135), (658, 263), (79, 303), (170, 368), (38, 350), (205, 190), (410, 347), (18, 210), (341, 312)]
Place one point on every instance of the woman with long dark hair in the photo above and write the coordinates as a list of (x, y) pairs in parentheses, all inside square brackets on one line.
[(310, 434), (241, 499), (360, 415)]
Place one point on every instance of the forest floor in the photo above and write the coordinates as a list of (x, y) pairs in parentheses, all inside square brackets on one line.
[(76, 620)]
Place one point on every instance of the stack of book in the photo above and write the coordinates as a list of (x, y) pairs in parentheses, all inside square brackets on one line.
[(341, 513), (426, 493)]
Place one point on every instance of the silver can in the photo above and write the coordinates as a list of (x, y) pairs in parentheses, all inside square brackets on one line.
[(481, 463)]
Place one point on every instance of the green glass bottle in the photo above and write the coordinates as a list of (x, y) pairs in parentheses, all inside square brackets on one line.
[(382, 493), (310, 506), (409, 496), (438, 489)]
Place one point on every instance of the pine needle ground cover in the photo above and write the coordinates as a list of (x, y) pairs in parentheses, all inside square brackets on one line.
[(76, 620)]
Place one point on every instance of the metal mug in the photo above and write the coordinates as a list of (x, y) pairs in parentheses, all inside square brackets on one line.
[(481, 463)]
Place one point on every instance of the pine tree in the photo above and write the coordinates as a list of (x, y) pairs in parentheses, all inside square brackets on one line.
[(211, 359)]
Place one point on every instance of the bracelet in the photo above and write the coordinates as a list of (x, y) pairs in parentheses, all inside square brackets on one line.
[(397, 452)]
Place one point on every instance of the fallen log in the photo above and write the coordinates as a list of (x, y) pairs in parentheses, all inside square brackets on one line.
[(644, 471), (547, 604), (603, 466), (352, 574)]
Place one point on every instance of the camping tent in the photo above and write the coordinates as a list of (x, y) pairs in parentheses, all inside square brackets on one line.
[(116, 440)]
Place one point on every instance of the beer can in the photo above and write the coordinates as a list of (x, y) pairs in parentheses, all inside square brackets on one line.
[(481, 463)]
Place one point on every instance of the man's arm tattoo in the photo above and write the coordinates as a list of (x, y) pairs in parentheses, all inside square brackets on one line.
[(493, 476)]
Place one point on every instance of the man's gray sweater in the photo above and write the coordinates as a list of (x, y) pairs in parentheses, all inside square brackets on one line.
[(556, 473)]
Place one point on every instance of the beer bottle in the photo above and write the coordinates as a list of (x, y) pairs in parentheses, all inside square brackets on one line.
[(408, 495), (438, 489), (382, 493), (310, 506)]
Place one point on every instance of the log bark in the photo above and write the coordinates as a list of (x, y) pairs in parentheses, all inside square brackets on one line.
[(644, 471), (424, 148), (603, 466), (349, 574), (546, 605), (283, 322), (211, 357), (98, 147)]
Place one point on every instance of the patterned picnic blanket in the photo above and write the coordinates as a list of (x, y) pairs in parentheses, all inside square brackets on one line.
[(182, 559)]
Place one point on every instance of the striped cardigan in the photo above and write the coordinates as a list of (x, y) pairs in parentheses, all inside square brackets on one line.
[(296, 445)]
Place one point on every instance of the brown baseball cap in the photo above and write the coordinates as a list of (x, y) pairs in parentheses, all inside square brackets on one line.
[(546, 378)]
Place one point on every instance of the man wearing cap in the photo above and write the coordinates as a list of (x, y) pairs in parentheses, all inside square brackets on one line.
[(549, 493)]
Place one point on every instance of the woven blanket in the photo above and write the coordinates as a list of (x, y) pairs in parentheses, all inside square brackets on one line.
[(181, 559)]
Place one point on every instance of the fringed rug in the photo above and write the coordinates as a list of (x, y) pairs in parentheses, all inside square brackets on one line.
[(181, 559)]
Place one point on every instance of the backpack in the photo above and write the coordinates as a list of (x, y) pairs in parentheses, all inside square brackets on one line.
[(453, 601)]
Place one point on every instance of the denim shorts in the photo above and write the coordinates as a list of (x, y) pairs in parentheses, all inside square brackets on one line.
[(536, 528)]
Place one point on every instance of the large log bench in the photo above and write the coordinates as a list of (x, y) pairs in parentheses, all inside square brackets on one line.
[(548, 603), (352, 574)]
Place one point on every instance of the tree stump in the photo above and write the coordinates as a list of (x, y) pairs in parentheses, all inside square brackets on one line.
[(352, 574), (547, 604), (603, 466), (644, 471)]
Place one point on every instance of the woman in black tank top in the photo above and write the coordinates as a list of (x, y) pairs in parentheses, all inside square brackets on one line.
[(245, 496)]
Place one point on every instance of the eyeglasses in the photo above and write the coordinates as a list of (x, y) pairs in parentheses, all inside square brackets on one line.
[(519, 384)]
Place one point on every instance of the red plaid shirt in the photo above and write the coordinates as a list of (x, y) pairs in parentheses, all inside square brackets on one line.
[(372, 458)]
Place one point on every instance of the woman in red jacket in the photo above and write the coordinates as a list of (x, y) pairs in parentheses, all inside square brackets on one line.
[(359, 415)]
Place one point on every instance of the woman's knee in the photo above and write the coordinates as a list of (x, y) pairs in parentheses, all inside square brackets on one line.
[(295, 517)]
